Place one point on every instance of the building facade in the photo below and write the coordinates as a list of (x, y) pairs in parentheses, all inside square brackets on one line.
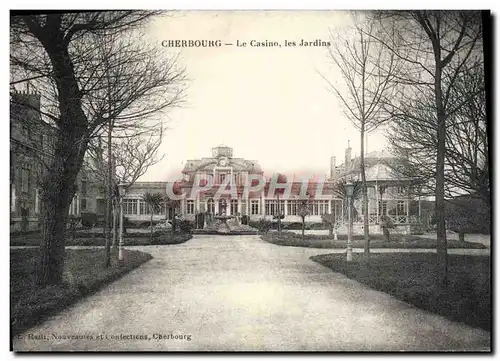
[(32, 148), (263, 203), (32, 144), (134, 206), (389, 194)]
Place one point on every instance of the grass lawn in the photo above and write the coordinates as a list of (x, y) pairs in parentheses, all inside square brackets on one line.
[(411, 278), (82, 239), (84, 273), (376, 241)]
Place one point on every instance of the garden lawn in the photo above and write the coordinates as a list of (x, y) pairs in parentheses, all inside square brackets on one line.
[(376, 241), (96, 239), (410, 277), (84, 273)]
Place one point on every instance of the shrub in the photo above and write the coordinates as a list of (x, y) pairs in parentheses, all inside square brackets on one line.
[(418, 228), (263, 225), (89, 219), (318, 226), (253, 224), (245, 219), (186, 226), (294, 226), (166, 237), (472, 217), (387, 224)]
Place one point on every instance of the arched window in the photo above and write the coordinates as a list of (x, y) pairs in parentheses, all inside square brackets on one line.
[(210, 206), (222, 206), (234, 206)]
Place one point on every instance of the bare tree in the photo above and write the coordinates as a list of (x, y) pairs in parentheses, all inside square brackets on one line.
[(60, 53), (435, 46), (466, 150), (304, 210), (154, 201), (131, 157), (368, 70)]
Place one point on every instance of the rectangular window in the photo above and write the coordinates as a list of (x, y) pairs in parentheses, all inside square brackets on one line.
[(254, 207), (84, 188), (401, 207), (25, 179), (130, 206), (315, 208), (243, 207), (190, 206), (143, 207), (83, 204), (234, 206), (292, 207), (323, 207), (211, 206), (271, 207), (281, 209), (222, 178)]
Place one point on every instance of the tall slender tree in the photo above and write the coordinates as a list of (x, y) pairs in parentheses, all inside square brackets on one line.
[(434, 46), (367, 70)]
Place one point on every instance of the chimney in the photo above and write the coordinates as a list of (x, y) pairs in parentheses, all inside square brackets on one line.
[(332, 167), (348, 153)]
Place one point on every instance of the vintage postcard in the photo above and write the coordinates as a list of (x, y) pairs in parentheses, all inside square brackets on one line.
[(256, 180)]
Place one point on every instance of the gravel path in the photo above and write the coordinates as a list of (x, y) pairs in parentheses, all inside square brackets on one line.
[(242, 294)]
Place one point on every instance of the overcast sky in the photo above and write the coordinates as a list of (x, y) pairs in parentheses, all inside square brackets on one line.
[(269, 104)]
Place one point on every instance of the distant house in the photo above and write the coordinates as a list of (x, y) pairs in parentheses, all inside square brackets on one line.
[(389, 194)]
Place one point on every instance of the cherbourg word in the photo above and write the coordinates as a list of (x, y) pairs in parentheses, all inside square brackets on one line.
[(244, 43)]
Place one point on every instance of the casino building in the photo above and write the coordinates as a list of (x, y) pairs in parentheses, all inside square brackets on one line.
[(258, 204), (388, 195)]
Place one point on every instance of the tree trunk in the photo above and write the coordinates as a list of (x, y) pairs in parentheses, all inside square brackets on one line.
[(52, 250), (58, 187), (442, 253), (56, 194), (330, 230), (151, 226), (114, 244), (107, 261), (303, 228), (279, 214), (366, 226), (173, 222)]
